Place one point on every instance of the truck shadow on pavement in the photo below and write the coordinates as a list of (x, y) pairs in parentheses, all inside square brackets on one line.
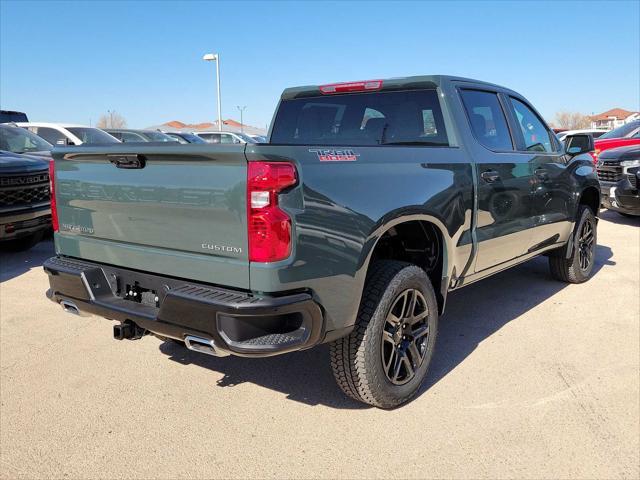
[(476, 312), (473, 314), (15, 263), (614, 217)]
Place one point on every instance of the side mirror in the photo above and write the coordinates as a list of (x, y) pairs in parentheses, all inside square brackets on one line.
[(578, 143)]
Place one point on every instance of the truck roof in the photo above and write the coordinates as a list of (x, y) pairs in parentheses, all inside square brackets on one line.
[(395, 83)]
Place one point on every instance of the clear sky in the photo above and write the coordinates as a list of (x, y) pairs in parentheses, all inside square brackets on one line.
[(72, 61)]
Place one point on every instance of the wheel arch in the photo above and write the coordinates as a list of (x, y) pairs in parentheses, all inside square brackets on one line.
[(384, 229), (590, 196)]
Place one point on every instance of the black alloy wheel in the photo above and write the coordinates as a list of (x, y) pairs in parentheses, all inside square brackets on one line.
[(586, 245), (405, 337)]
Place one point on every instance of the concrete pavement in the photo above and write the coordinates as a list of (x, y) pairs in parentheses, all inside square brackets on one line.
[(531, 379)]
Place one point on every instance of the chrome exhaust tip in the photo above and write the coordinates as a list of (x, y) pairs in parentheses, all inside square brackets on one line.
[(203, 345), (70, 307)]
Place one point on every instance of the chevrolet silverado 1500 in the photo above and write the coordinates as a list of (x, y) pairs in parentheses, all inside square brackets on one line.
[(370, 202)]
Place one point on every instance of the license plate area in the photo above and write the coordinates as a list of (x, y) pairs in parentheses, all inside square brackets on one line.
[(135, 292), (138, 287)]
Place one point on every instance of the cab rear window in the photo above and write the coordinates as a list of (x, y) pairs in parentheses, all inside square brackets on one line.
[(364, 119)]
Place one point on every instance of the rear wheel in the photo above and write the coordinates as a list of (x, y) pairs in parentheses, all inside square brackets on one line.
[(579, 266), (385, 359)]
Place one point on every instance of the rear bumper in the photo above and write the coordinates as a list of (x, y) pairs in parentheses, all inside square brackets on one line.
[(237, 322)]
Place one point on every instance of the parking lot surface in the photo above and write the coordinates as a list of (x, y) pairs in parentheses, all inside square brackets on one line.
[(531, 379)]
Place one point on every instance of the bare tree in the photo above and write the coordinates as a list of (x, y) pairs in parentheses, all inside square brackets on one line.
[(572, 120), (111, 119)]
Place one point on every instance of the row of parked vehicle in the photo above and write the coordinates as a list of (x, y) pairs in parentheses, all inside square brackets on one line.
[(25, 148), (25, 153), (67, 134), (617, 158)]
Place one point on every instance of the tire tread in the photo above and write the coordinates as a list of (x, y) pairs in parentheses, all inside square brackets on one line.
[(350, 368), (566, 269)]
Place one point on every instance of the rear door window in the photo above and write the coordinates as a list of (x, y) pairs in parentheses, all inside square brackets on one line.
[(51, 135), (487, 119), (130, 137), (411, 117), (91, 135)]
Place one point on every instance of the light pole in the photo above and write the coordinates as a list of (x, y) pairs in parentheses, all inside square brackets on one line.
[(214, 57), (241, 122)]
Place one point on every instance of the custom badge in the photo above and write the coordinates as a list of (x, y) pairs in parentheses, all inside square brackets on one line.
[(334, 155)]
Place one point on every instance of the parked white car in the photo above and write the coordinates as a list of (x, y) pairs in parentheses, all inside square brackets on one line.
[(225, 137), (68, 134), (594, 132), (258, 138)]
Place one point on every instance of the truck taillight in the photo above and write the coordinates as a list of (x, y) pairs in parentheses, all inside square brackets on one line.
[(269, 227), (52, 191), (595, 154)]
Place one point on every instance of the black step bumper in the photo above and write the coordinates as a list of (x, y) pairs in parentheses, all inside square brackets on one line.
[(238, 323)]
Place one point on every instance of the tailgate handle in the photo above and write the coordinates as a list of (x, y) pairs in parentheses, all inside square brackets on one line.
[(128, 161)]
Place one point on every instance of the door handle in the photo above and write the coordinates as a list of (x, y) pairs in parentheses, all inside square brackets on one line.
[(542, 174), (490, 176)]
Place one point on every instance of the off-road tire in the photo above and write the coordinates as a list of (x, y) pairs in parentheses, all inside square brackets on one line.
[(356, 359), (568, 269)]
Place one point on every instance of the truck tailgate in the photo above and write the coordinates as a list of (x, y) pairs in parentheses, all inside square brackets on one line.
[(173, 210)]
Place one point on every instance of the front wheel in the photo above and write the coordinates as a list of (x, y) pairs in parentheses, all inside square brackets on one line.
[(579, 266), (385, 358)]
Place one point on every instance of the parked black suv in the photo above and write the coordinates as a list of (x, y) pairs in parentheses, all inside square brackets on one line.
[(20, 140), (619, 174), (25, 209)]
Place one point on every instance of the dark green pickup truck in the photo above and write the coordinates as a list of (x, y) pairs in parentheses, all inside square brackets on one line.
[(370, 202)]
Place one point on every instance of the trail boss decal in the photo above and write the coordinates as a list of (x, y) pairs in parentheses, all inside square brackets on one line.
[(332, 155)]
